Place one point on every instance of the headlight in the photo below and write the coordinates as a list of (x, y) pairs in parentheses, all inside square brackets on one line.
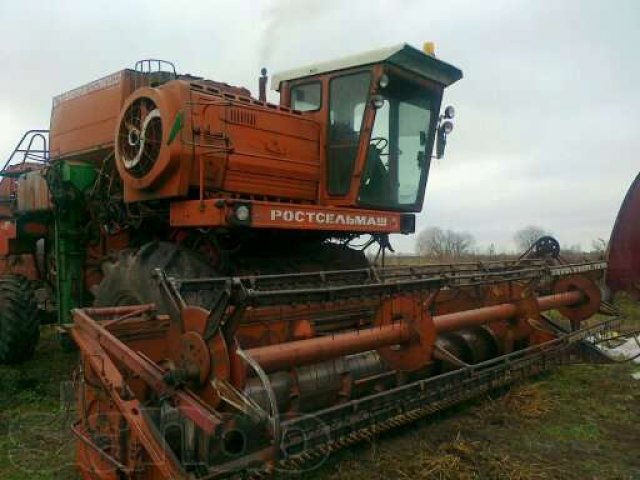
[(449, 112), (242, 213), (447, 127), (377, 101)]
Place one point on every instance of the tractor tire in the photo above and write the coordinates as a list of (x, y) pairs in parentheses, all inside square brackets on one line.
[(130, 279), (341, 257), (309, 257), (19, 321)]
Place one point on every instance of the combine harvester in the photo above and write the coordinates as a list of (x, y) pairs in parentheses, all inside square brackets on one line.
[(201, 243)]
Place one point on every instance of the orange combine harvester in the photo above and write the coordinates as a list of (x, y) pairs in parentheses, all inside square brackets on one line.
[(201, 247)]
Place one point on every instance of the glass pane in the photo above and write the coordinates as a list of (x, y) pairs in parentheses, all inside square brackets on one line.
[(413, 119), (306, 98), (376, 182), (348, 97), (397, 156)]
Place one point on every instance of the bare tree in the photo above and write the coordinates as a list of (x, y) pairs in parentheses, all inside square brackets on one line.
[(599, 246), (527, 236), (431, 242), (459, 243), (443, 244), (571, 249)]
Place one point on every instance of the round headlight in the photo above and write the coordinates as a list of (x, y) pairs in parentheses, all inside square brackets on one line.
[(449, 112), (383, 82), (447, 127), (378, 101), (242, 213)]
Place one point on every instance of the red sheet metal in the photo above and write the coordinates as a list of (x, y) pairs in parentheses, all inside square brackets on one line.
[(623, 256)]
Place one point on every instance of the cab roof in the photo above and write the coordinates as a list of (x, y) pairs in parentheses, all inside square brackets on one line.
[(402, 55)]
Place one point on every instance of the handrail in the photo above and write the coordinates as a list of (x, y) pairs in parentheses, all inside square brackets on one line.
[(29, 153), (151, 66)]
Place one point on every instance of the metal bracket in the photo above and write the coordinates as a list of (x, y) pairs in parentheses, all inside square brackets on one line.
[(171, 292), (238, 400)]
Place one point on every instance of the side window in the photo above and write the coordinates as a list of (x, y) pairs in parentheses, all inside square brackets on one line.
[(347, 102), (306, 97)]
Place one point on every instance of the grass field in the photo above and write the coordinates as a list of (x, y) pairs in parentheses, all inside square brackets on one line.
[(578, 422)]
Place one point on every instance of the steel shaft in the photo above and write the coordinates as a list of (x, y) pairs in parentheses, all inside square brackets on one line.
[(503, 311), (318, 349)]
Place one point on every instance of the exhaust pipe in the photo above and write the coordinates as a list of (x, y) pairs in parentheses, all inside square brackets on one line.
[(262, 85)]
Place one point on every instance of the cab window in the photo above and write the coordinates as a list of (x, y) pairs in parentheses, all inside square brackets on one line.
[(306, 97), (398, 155), (347, 102)]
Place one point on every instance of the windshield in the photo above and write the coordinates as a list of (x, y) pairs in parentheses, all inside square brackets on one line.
[(397, 160)]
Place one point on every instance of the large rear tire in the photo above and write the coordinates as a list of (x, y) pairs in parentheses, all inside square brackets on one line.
[(305, 257), (130, 279), (19, 322)]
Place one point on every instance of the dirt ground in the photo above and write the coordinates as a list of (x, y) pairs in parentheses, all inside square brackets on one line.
[(578, 422)]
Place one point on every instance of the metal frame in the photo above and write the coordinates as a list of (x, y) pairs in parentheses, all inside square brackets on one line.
[(29, 153)]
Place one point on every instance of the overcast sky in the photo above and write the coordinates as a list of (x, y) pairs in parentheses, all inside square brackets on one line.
[(548, 114)]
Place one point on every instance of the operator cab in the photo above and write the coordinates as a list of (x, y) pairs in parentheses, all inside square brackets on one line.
[(379, 115)]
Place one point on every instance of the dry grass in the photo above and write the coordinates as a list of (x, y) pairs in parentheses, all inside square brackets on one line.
[(628, 308), (529, 401)]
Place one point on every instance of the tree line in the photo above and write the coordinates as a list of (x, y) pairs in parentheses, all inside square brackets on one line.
[(441, 244)]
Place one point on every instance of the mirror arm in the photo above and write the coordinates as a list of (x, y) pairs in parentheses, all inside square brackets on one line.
[(441, 142)]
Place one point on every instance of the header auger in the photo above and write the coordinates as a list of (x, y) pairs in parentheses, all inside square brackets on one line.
[(198, 245)]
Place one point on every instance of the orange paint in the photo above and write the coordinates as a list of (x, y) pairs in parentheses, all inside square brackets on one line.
[(220, 212)]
